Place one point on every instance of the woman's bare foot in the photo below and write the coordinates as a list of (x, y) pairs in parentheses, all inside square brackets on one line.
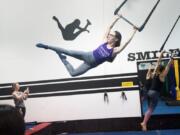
[(143, 127)]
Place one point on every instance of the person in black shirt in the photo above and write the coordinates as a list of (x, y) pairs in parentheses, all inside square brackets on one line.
[(158, 79)]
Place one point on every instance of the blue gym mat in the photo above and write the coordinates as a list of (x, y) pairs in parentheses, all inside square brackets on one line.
[(153, 132)]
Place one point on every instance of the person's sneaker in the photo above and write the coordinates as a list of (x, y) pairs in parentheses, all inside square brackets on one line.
[(42, 46)]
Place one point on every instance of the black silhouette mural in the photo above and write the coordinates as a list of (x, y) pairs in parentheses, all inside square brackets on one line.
[(68, 32)]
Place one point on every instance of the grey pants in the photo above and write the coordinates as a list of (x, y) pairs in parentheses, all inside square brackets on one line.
[(86, 57)]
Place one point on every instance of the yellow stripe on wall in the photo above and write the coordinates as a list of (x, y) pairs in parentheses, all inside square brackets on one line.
[(176, 68), (127, 84)]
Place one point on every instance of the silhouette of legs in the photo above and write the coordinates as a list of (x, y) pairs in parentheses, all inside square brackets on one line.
[(58, 23), (88, 23), (82, 29)]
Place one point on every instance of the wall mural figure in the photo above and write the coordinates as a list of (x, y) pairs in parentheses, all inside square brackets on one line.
[(68, 32)]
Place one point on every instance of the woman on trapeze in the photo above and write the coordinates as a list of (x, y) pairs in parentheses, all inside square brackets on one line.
[(107, 51)]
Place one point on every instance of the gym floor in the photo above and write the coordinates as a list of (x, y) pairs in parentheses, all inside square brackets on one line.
[(153, 132)]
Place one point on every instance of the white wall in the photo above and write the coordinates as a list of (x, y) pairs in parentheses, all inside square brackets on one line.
[(78, 107)]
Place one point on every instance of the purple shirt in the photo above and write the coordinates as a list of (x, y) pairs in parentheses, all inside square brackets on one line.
[(102, 53)]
